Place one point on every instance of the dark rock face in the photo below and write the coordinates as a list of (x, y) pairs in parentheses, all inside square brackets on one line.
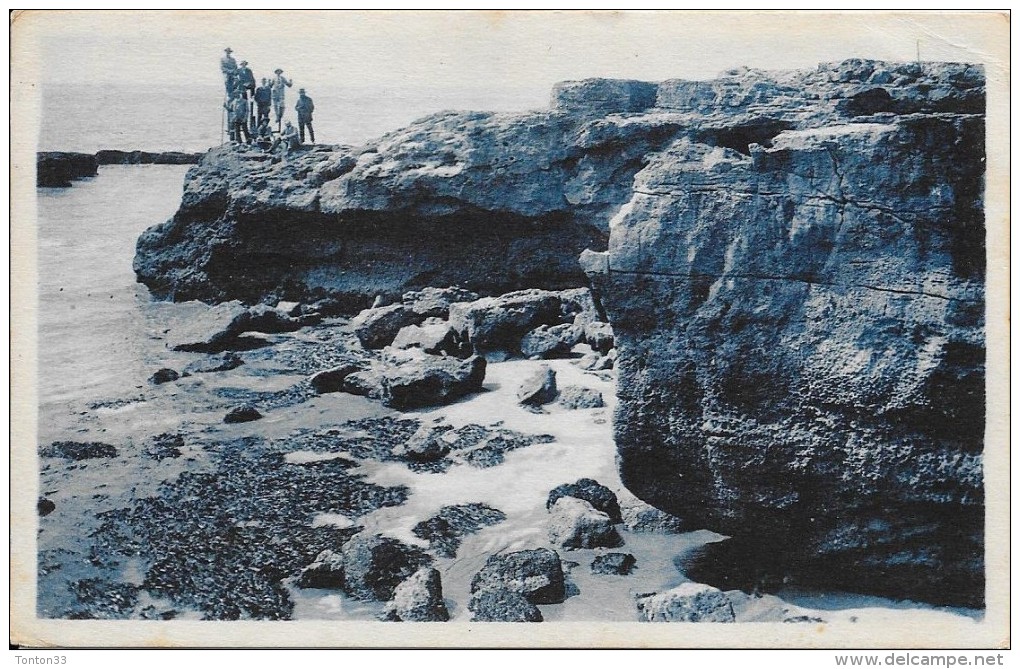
[(332, 380), (326, 572), (599, 496), (797, 297), (58, 168)]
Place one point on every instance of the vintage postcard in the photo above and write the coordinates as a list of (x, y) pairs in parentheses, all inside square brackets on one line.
[(577, 329)]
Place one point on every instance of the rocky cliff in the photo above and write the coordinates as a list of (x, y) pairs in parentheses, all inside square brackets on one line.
[(793, 264)]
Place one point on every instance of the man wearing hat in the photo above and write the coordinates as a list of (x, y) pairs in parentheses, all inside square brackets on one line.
[(263, 100), (228, 66), (245, 79), (280, 85), (304, 108)]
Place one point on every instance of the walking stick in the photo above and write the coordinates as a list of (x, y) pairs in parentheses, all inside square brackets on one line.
[(223, 119)]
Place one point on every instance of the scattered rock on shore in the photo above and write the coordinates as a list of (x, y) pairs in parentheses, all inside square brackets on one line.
[(574, 523), (418, 599), (444, 530), (326, 572), (538, 388), (375, 565), (220, 362), (550, 341), (164, 375), (242, 414), (641, 517), (580, 397), (688, 603), (332, 380), (620, 564), (379, 326), (435, 302), (599, 496), (503, 606), (536, 574)]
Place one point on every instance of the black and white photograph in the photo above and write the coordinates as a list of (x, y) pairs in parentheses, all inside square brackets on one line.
[(454, 329)]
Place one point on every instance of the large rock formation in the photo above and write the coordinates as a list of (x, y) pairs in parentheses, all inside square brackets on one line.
[(796, 290), (794, 277)]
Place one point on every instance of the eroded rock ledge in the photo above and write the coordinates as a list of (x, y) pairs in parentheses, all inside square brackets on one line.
[(794, 275)]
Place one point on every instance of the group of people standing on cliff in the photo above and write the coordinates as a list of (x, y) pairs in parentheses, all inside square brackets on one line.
[(247, 107)]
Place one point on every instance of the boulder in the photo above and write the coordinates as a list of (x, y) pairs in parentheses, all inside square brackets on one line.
[(375, 565), (332, 380), (574, 523), (686, 603), (535, 574), (209, 332), (78, 450), (588, 361), (619, 564), (503, 606), (378, 327), (431, 380), (45, 506), (326, 572), (499, 323), (164, 375), (641, 517), (599, 336), (242, 414), (599, 496), (220, 362), (267, 319), (550, 341), (435, 302), (425, 445), (433, 336), (418, 599), (580, 397), (369, 383), (538, 388)]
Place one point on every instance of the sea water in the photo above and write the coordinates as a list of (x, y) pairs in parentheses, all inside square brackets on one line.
[(88, 118)]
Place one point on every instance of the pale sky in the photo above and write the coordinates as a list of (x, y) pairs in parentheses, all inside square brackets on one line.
[(516, 49)]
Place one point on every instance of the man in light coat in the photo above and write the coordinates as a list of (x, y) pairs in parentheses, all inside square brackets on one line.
[(280, 86)]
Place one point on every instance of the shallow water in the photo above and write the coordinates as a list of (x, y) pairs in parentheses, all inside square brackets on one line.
[(96, 324)]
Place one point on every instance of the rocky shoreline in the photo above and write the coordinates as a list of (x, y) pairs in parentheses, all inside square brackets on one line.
[(773, 282)]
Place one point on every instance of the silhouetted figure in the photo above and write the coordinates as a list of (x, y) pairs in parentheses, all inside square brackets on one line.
[(288, 140), (304, 108), (264, 134)]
